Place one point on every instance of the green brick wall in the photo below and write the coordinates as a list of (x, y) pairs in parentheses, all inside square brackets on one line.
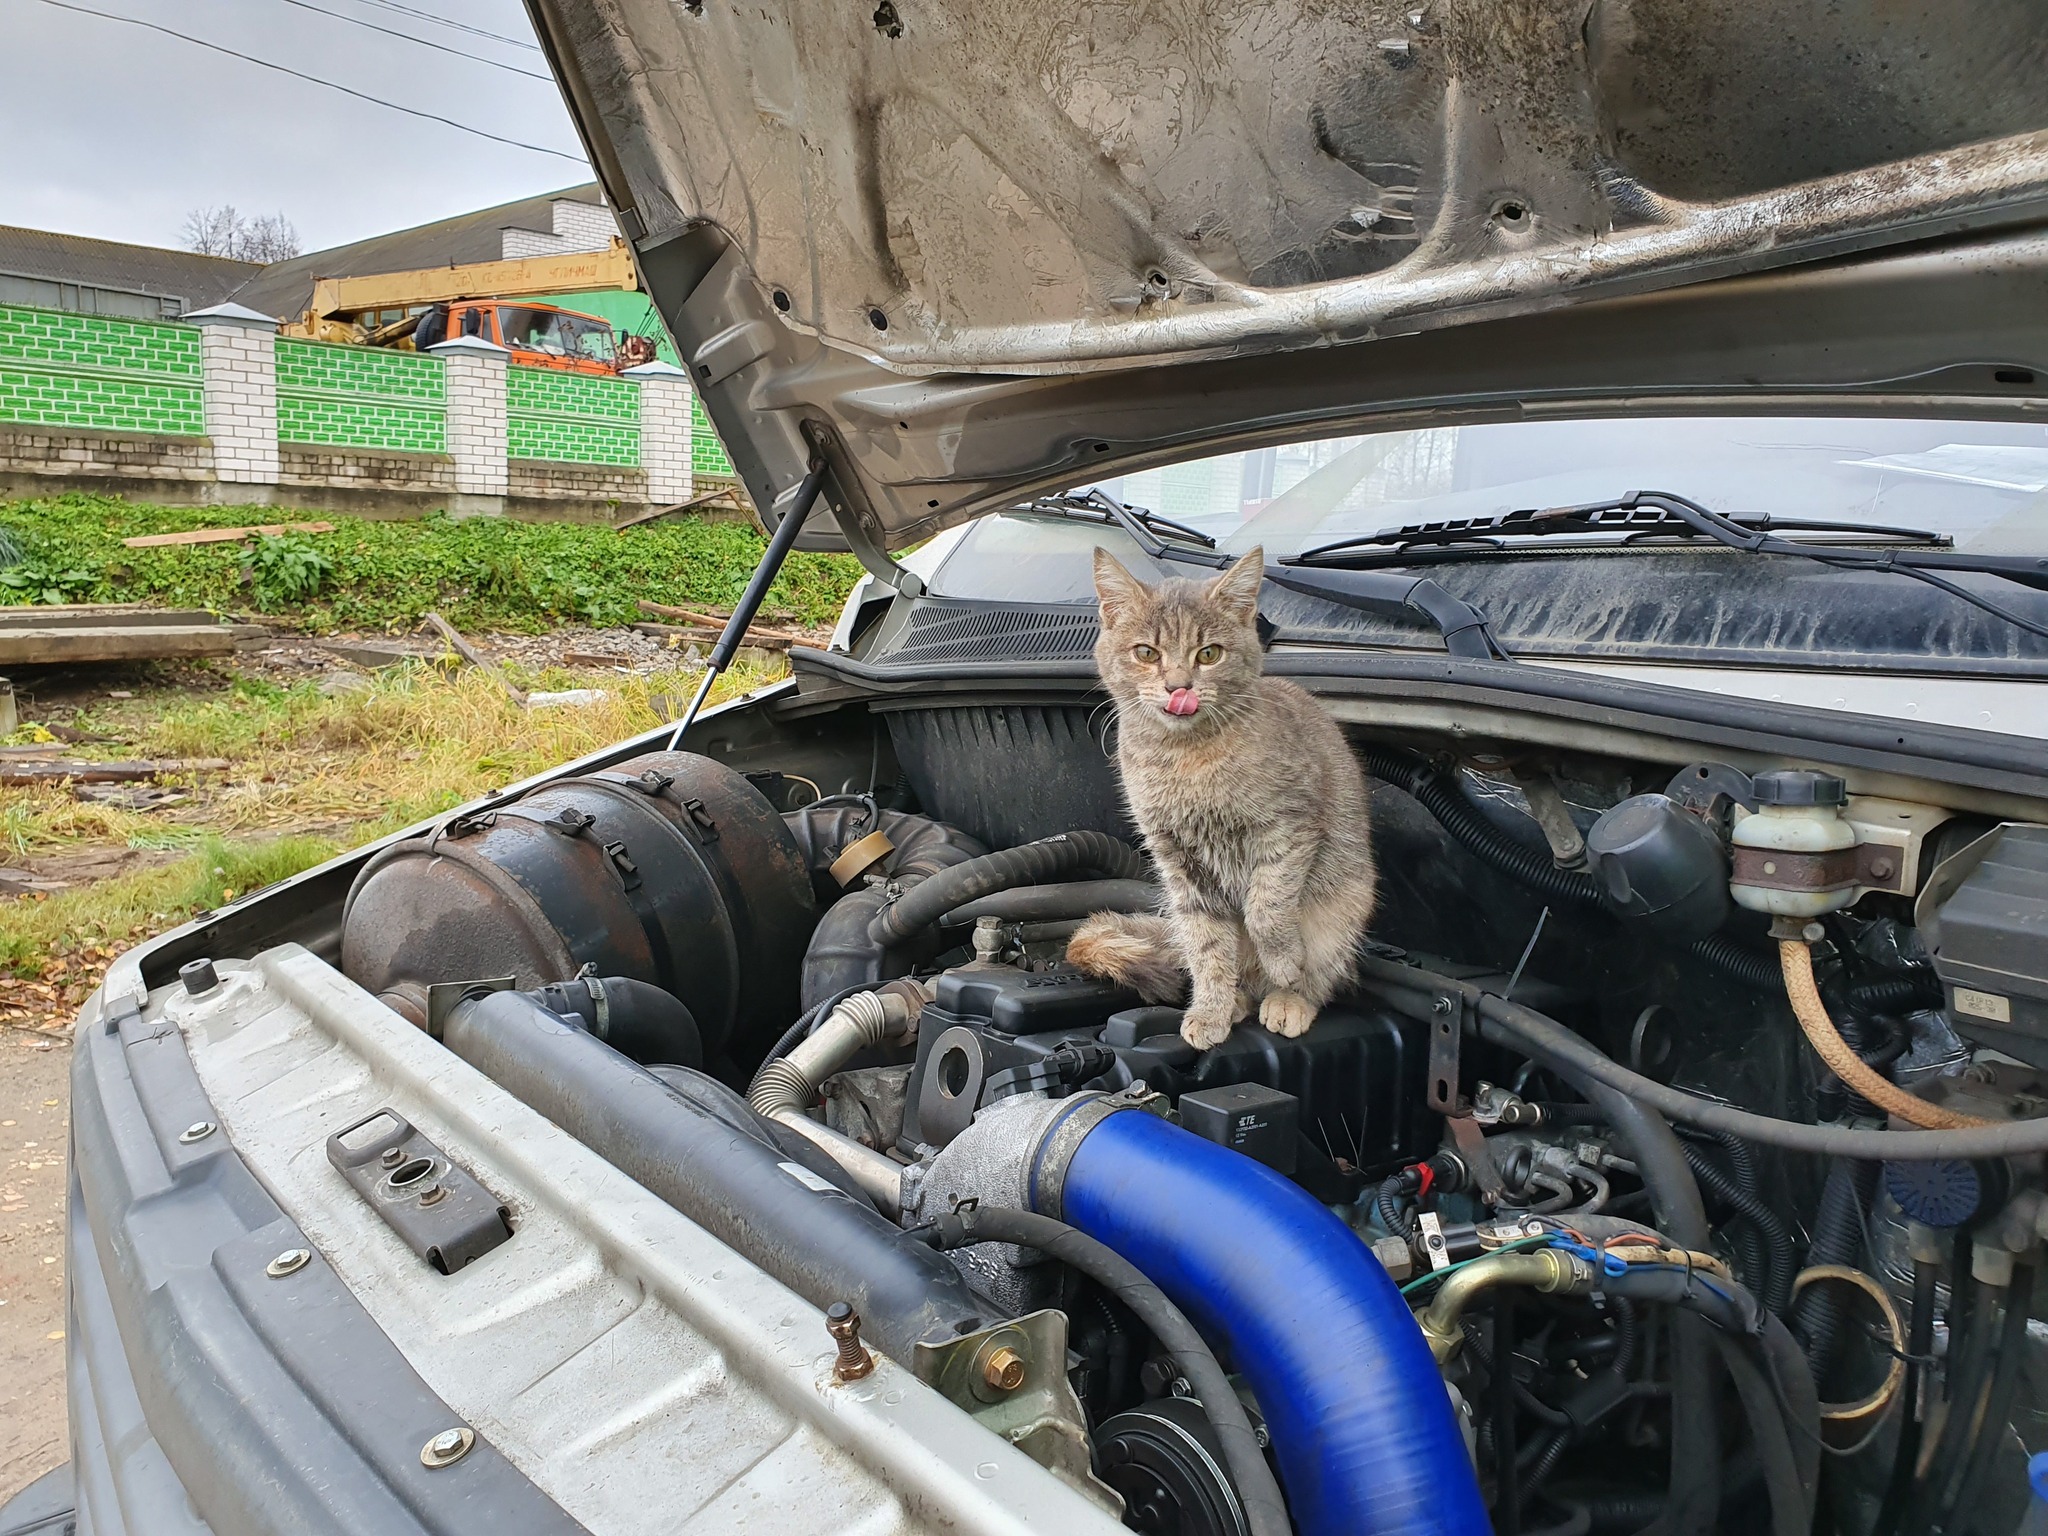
[(571, 418), (707, 454), (360, 397), (65, 370)]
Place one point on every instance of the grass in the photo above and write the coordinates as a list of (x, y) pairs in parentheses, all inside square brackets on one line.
[(311, 774), (484, 573)]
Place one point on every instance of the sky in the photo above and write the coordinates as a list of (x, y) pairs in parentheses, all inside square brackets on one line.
[(113, 131)]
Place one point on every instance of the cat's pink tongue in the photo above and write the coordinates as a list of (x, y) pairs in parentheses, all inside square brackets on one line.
[(1183, 701)]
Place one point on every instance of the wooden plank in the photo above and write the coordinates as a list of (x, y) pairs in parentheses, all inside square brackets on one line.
[(107, 773), (716, 622), (33, 617), (697, 634), (49, 647), (222, 535), (474, 657)]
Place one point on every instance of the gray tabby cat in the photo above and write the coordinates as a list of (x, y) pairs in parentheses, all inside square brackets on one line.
[(1251, 803)]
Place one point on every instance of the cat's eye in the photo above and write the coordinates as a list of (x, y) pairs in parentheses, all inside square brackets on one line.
[(1209, 655), (1145, 653)]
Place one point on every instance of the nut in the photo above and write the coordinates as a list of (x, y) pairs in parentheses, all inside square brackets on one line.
[(447, 1448), (854, 1361), (1003, 1369)]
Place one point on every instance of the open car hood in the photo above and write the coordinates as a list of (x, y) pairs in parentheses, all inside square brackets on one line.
[(966, 251)]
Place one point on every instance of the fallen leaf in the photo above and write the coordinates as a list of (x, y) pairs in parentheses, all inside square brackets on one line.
[(56, 1335)]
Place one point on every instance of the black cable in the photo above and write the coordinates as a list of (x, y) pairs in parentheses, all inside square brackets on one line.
[(1265, 1509), (282, 69), (1919, 1348), (1384, 1205), (459, 26), (1414, 991), (1507, 1477), (1791, 1501), (460, 53)]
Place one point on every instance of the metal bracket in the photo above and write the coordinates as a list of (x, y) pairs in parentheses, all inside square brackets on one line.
[(433, 1203), (1448, 1013), (442, 996)]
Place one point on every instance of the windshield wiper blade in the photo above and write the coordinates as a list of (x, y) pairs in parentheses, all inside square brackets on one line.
[(1141, 523), (1632, 521), (1923, 565)]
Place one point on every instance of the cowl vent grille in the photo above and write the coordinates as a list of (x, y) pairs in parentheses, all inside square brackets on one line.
[(943, 631)]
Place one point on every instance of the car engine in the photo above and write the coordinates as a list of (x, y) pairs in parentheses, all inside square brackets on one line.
[(1591, 1207)]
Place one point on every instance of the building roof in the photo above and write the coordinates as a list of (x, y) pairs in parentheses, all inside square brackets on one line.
[(285, 288), (196, 281)]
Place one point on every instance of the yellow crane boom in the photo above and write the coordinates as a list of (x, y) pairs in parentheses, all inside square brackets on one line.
[(583, 272)]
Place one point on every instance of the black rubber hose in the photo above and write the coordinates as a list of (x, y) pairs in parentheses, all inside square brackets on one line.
[(1412, 990), (1384, 1205), (635, 1017), (1050, 858), (1775, 1283), (1055, 903), (1659, 1156), (1837, 1239), (735, 1183), (1895, 993), (1969, 1376), (1534, 866), (1913, 1406), (1265, 1508), (1988, 1428), (1791, 1502)]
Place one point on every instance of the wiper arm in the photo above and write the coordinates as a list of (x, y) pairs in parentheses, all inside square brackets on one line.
[(1464, 628), (1624, 517), (1141, 523)]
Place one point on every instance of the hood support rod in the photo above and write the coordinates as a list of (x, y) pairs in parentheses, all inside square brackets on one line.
[(779, 545)]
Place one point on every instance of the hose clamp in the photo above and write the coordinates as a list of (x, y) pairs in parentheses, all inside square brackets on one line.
[(1046, 1181)]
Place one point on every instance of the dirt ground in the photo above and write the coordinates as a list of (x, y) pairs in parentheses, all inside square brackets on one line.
[(34, 1131)]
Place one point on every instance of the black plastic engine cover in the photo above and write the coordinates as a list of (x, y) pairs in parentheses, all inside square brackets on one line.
[(1357, 1073)]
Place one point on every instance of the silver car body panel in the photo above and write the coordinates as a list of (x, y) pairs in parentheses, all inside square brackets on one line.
[(642, 1374)]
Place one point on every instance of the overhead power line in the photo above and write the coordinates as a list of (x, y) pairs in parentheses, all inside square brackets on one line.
[(460, 53), (379, 101), (460, 26)]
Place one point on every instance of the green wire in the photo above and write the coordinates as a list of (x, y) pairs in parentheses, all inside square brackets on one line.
[(1438, 1274)]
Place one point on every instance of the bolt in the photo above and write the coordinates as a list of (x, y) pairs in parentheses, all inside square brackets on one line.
[(854, 1361), (1440, 1005), (393, 1156), (199, 977), (447, 1448), (433, 1194), (1396, 51), (1003, 1369), (198, 1130), (1882, 868), (290, 1262)]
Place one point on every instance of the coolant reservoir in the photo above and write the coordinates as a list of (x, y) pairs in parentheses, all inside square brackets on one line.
[(1796, 855)]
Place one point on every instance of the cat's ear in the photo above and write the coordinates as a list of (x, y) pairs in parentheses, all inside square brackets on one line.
[(1237, 589), (1119, 592)]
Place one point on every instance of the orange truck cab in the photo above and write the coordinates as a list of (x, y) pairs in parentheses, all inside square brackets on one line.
[(537, 335)]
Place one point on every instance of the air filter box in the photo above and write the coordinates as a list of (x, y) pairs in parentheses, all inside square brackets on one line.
[(1984, 917)]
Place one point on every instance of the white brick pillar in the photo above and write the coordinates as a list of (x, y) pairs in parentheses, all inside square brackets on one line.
[(476, 423), (665, 432), (238, 363)]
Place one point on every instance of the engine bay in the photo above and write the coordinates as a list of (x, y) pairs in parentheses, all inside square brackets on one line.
[(1675, 1160)]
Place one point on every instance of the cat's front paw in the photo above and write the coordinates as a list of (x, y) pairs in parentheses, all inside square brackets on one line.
[(1204, 1028), (1287, 1013)]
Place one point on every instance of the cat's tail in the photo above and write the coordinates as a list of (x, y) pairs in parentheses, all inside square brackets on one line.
[(1136, 949)]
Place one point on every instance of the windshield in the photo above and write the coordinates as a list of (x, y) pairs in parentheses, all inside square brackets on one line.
[(1981, 483), (556, 333)]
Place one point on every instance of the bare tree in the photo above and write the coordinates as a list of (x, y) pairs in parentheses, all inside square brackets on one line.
[(223, 231)]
